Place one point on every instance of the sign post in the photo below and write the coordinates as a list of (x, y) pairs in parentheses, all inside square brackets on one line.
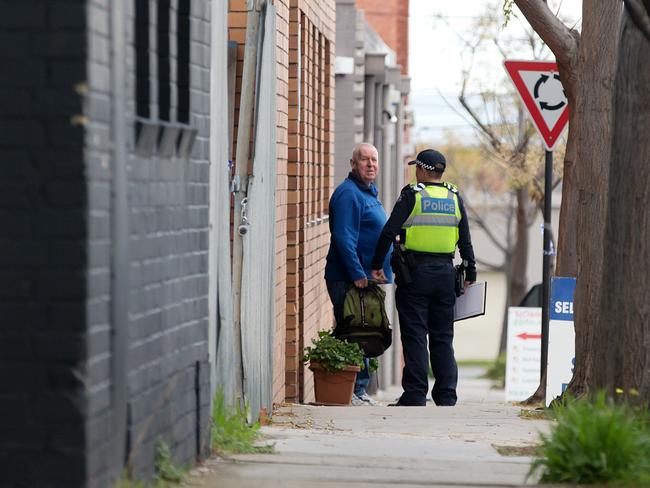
[(540, 89)]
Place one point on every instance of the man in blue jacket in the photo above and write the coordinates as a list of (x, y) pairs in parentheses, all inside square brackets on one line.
[(356, 219)]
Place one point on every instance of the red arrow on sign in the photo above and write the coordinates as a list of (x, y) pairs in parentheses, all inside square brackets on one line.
[(526, 335), (539, 86)]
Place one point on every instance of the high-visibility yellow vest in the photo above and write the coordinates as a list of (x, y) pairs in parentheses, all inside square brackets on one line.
[(432, 225)]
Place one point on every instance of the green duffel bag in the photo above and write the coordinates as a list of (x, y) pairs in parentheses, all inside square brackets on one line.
[(365, 321)]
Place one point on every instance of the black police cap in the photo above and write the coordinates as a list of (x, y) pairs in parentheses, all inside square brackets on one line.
[(431, 160)]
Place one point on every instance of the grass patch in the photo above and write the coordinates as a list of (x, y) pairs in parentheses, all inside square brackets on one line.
[(596, 440), (496, 372), (512, 451), (166, 470), (477, 363), (231, 432), (167, 473), (536, 414)]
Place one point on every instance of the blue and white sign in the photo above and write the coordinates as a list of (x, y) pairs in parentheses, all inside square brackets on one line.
[(562, 298), (561, 337), (438, 205)]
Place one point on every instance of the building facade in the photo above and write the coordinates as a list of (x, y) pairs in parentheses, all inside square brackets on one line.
[(133, 289), (104, 300), (304, 40), (390, 20)]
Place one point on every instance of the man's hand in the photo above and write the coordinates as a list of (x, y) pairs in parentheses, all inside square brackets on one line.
[(378, 274), (362, 283)]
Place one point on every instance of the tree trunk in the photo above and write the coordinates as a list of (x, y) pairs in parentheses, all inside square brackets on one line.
[(567, 259), (593, 111), (520, 251), (518, 263), (586, 68), (623, 335), (564, 44)]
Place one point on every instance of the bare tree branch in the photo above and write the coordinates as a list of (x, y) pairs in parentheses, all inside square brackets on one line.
[(559, 38), (458, 112), (478, 220), (503, 116), (530, 213), (494, 141), (502, 51)]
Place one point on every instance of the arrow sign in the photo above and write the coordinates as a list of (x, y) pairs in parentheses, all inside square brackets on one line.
[(525, 336), (539, 86)]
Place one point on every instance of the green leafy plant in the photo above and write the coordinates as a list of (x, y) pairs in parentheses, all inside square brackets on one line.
[(373, 364), (164, 464), (333, 354), (596, 440), (231, 432)]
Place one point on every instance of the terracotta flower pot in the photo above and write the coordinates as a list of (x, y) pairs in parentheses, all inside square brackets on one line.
[(334, 387)]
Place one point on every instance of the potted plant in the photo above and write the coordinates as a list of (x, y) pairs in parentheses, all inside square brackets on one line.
[(335, 364)]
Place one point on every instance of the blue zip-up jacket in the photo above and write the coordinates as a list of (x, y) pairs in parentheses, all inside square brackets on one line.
[(356, 219)]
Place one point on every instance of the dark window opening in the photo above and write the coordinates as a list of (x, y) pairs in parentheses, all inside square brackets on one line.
[(183, 61), (164, 63), (162, 78), (142, 62)]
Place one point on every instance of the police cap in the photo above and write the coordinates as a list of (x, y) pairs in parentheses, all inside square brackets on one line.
[(431, 160)]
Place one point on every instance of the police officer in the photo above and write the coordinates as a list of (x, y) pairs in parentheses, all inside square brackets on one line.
[(430, 219)]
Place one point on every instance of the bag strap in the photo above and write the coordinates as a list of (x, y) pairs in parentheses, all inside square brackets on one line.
[(363, 307)]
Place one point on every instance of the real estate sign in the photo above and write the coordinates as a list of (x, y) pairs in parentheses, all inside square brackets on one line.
[(523, 352), (561, 337)]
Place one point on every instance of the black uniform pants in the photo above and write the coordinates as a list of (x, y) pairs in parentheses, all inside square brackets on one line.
[(426, 310)]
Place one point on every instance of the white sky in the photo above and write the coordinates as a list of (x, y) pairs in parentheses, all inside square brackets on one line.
[(438, 54)]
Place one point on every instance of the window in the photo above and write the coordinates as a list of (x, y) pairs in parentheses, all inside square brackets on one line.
[(163, 116), (142, 64), (164, 61), (183, 61)]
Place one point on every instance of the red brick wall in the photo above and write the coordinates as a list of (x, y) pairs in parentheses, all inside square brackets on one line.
[(390, 19), (310, 171), (305, 155)]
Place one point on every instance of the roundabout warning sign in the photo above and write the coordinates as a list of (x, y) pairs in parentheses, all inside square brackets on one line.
[(539, 86)]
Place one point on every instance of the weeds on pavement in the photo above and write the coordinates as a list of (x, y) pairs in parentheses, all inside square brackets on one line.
[(497, 372), (231, 432), (536, 414), (164, 464), (167, 475)]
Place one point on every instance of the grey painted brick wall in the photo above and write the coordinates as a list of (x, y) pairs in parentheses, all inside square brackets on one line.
[(43, 255), (168, 200), (56, 109), (349, 87)]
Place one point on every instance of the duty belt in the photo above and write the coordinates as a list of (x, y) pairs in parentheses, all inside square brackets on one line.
[(423, 258)]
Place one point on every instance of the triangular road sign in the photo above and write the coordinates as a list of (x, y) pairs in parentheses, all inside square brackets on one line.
[(538, 84)]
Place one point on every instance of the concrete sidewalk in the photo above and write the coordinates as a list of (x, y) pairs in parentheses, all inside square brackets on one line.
[(388, 446)]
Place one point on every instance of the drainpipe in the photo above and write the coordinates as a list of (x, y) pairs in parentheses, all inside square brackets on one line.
[(119, 246), (240, 180)]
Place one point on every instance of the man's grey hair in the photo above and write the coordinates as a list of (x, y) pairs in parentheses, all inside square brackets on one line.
[(356, 152)]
